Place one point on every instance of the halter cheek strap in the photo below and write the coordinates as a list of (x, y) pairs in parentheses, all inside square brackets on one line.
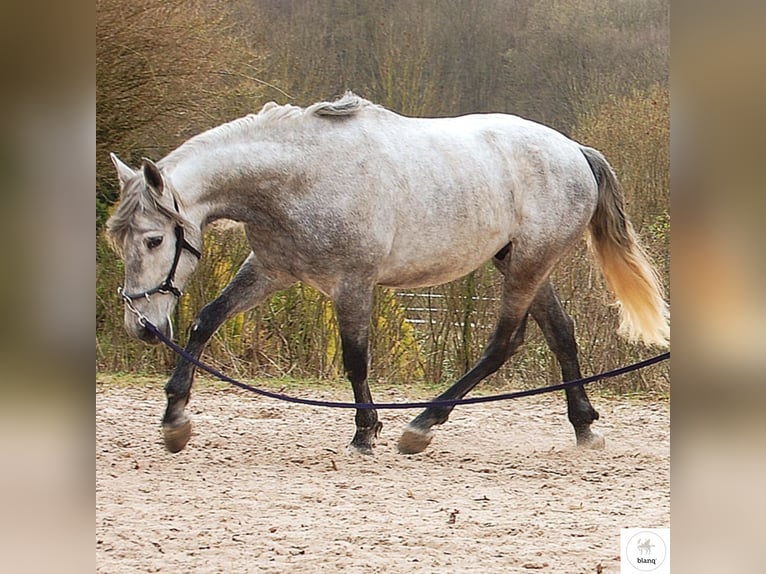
[(167, 285)]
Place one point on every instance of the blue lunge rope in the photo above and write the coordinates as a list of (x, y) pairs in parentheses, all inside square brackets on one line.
[(414, 405)]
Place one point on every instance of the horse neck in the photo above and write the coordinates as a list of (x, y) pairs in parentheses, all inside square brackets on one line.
[(225, 185), (201, 185)]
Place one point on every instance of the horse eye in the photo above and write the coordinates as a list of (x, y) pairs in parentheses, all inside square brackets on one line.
[(154, 242)]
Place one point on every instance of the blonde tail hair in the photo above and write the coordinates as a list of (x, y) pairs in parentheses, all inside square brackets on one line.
[(624, 263)]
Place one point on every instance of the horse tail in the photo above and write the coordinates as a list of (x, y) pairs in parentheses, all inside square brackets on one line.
[(624, 263)]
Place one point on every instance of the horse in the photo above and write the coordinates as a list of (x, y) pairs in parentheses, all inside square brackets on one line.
[(346, 195)]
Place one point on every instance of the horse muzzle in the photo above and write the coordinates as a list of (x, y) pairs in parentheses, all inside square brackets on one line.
[(136, 328)]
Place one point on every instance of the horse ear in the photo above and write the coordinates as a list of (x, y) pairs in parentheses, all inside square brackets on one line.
[(153, 176), (124, 172)]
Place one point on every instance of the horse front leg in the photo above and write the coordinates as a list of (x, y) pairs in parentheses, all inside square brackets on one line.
[(249, 287), (176, 425), (354, 310)]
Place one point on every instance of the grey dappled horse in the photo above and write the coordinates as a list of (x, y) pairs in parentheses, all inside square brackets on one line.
[(347, 195)]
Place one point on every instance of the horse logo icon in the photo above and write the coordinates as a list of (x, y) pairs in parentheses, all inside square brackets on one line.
[(645, 550), (645, 546)]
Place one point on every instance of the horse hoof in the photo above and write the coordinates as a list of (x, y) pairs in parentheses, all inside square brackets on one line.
[(592, 440), (414, 440), (176, 437), (364, 439), (363, 449)]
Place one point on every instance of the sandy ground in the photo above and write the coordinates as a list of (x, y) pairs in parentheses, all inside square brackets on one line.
[(268, 487)]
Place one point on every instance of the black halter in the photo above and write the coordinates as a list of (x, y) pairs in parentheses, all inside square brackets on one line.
[(167, 285)]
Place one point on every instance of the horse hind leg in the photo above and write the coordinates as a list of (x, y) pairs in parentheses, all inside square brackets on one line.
[(354, 309), (520, 286), (558, 329), (417, 435)]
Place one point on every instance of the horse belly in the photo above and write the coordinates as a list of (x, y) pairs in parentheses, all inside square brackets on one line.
[(415, 278), (427, 263)]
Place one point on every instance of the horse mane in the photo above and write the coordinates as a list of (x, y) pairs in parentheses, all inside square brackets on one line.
[(348, 104), (137, 197), (270, 114)]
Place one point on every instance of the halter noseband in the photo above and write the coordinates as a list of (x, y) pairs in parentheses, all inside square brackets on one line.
[(167, 285)]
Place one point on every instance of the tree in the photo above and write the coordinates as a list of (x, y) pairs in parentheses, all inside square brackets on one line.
[(573, 54), (164, 71)]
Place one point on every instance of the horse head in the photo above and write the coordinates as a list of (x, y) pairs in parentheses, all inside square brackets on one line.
[(159, 247)]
